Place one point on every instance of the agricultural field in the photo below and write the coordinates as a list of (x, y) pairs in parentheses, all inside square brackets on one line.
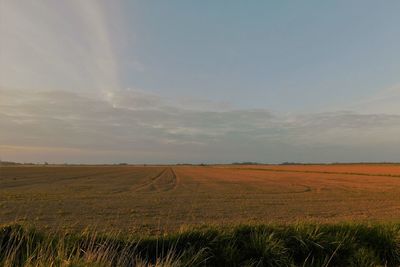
[(152, 199)]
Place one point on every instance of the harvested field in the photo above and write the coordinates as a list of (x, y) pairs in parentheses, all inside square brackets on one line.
[(154, 198)]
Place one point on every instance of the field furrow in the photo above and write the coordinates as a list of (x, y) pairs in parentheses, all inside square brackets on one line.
[(138, 198)]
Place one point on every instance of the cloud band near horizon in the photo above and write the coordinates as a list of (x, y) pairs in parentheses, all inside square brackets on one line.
[(137, 127)]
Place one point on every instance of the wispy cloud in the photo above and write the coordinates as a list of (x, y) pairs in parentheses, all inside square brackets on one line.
[(143, 127), (57, 45), (384, 101)]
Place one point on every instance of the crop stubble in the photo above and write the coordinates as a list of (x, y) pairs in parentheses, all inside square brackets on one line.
[(154, 198)]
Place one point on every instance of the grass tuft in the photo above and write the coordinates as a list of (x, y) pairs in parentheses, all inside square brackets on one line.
[(244, 245)]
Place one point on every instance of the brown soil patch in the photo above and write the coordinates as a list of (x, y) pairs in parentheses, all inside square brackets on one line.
[(167, 197)]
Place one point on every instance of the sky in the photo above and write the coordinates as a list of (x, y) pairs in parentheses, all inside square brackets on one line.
[(199, 81)]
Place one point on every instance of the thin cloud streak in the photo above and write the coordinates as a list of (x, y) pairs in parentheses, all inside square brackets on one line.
[(145, 128), (385, 101), (47, 45)]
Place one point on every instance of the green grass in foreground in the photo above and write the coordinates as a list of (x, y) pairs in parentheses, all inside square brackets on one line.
[(245, 245)]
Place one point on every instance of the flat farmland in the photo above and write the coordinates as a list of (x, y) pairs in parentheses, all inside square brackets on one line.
[(157, 198)]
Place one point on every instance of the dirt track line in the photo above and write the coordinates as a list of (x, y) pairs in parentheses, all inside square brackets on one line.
[(320, 172), (151, 181), (167, 188), (158, 185), (175, 179)]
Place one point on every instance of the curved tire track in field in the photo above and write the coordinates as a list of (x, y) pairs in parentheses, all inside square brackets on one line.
[(149, 182), (299, 189), (175, 179), (305, 189), (166, 180), (292, 188)]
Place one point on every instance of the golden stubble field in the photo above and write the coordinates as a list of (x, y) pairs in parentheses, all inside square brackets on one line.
[(154, 198)]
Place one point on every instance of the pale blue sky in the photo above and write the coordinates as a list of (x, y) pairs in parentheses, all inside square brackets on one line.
[(280, 55), (199, 81)]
